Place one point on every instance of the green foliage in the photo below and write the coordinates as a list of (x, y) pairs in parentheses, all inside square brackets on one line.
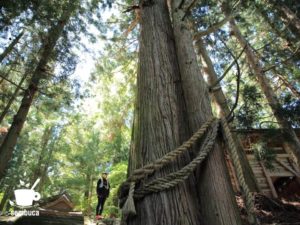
[(291, 109), (248, 111), (264, 154)]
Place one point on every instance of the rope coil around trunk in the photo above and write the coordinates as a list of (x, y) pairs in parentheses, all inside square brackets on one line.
[(174, 178), (150, 168)]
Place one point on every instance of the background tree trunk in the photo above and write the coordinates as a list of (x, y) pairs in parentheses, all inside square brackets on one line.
[(11, 46), (49, 43), (87, 193), (291, 142), (221, 102), (39, 167), (13, 97), (287, 16), (289, 38), (47, 163), (7, 193)]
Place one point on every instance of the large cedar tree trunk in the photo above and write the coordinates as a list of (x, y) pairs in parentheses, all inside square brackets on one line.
[(158, 116), (169, 108), (217, 202)]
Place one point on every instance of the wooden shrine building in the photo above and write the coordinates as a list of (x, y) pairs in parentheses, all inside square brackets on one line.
[(279, 180)]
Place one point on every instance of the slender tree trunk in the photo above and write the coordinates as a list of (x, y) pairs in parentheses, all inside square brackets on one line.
[(91, 181), (217, 202), (289, 38), (158, 117), (287, 16), (13, 97), (38, 172), (44, 169), (223, 109), (291, 141), (87, 193), (4, 76), (49, 43), (6, 195), (10, 47), (289, 85)]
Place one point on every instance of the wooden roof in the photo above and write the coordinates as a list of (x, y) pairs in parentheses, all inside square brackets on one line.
[(61, 202)]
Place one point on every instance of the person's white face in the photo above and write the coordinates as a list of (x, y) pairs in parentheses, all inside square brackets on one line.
[(104, 175)]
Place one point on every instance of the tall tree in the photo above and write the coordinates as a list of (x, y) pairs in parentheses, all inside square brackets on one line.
[(158, 117), (172, 103), (12, 98), (291, 142), (213, 183), (224, 110), (287, 15), (39, 73), (40, 164)]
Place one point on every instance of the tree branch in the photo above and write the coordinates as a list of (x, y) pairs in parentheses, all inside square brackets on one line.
[(213, 28), (238, 77), (13, 83), (18, 86), (282, 62), (188, 9), (228, 68)]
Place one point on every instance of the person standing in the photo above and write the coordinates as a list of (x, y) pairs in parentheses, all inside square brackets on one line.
[(102, 189)]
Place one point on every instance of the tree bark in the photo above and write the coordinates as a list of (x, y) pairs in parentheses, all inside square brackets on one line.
[(291, 142), (11, 46), (48, 45), (87, 192), (223, 109), (217, 202), (158, 118), (13, 97)]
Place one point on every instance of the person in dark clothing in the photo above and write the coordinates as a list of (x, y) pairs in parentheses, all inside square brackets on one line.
[(102, 189)]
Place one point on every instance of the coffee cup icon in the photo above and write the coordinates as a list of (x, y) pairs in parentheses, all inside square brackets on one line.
[(25, 197)]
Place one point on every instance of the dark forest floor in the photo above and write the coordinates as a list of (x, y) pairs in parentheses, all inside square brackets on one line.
[(273, 211)]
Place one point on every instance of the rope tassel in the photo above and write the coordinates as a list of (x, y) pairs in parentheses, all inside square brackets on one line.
[(129, 207)]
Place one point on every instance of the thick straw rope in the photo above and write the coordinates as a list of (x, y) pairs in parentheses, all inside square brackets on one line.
[(174, 178), (141, 173), (249, 199)]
